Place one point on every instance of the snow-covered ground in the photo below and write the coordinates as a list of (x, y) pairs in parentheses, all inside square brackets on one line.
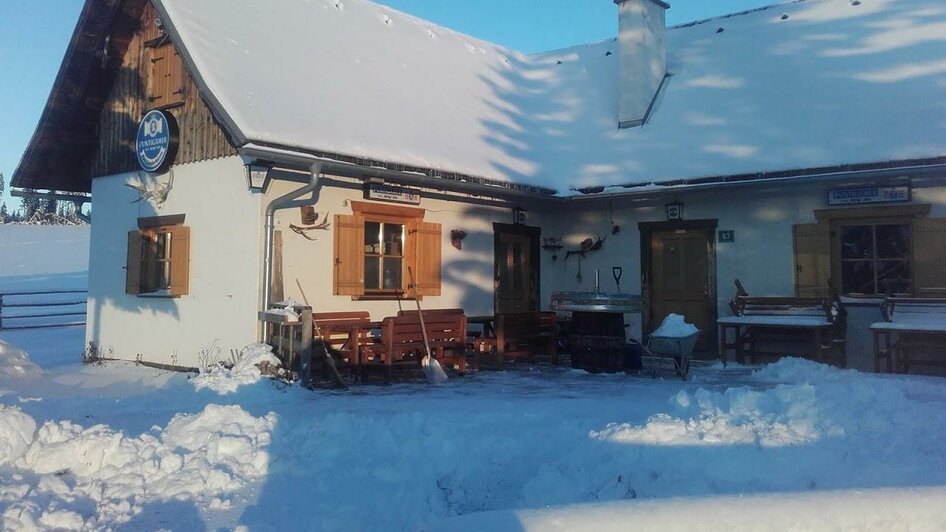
[(794, 445)]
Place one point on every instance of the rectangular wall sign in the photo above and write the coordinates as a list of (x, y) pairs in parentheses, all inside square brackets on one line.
[(853, 196), (727, 236), (379, 192)]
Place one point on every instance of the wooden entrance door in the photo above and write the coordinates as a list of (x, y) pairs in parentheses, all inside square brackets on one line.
[(680, 279), (517, 273)]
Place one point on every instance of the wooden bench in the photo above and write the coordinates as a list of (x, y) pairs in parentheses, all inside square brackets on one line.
[(402, 341), (344, 334), (816, 325), (518, 335), (913, 333)]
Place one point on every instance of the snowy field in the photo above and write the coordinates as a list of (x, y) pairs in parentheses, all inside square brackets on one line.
[(793, 445)]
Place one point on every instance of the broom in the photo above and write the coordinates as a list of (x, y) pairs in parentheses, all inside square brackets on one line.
[(432, 369)]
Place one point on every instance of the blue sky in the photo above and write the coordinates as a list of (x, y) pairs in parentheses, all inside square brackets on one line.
[(34, 35)]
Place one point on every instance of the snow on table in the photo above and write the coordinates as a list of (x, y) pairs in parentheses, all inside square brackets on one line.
[(777, 321), (913, 323)]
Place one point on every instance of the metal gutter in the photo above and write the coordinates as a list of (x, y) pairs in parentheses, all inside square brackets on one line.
[(282, 202), (656, 189), (343, 169)]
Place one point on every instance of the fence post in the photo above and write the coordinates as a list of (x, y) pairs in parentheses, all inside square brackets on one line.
[(1, 312)]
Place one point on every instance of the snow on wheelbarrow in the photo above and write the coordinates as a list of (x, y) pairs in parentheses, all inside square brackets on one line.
[(674, 340)]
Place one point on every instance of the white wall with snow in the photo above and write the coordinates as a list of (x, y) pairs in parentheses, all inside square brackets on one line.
[(220, 310)]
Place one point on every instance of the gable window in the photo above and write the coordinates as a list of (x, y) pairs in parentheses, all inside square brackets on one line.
[(869, 251), (375, 246), (158, 261)]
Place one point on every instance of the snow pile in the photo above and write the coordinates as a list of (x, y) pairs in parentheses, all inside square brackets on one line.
[(246, 371), (15, 363), (16, 433), (67, 469), (883, 509), (814, 430), (675, 326)]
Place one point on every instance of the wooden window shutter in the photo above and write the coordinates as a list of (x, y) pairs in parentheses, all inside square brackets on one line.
[(429, 239), (133, 262), (349, 279), (929, 254), (166, 78), (180, 260), (813, 260)]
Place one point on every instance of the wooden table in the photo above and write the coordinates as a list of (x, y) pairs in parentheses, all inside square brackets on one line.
[(928, 330), (818, 326), (348, 337), (486, 322)]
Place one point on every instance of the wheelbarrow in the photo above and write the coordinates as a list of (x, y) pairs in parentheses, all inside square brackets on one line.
[(678, 349)]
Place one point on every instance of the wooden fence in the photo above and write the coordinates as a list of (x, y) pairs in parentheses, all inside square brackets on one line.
[(42, 309)]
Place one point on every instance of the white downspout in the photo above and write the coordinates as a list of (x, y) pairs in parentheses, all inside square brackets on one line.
[(282, 202)]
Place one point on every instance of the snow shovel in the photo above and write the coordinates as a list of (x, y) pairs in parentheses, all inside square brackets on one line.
[(328, 356), (432, 369)]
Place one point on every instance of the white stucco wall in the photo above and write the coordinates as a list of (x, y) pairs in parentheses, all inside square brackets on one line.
[(226, 224), (761, 257), (219, 313), (467, 274)]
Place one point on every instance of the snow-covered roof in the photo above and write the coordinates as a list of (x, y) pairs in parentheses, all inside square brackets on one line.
[(818, 83)]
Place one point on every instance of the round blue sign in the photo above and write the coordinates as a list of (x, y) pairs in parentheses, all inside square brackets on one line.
[(156, 143)]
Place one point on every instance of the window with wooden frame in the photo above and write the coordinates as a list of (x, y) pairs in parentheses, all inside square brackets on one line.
[(165, 75), (377, 244), (870, 252), (158, 261)]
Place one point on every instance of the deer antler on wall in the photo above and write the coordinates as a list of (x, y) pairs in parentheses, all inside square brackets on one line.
[(158, 194), (587, 245), (309, 218)]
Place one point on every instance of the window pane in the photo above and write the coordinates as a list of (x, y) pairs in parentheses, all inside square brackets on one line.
[(162, 243), (392, 239), (372, 273), (392, 273), (372, 240), (895, 275), (857, 242), (893, 241), (857, 277), (162, 275)]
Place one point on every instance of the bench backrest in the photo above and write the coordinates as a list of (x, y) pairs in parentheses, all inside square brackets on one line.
[(893, 307), (443, 330), (430, 311), (334, 327), (745, 305)]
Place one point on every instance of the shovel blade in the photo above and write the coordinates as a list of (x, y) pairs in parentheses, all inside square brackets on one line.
[(433, 371)]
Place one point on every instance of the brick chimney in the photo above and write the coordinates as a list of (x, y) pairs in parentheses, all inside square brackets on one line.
[(643, 56)]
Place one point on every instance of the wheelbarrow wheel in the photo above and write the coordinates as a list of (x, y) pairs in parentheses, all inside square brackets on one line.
[(682, 366)]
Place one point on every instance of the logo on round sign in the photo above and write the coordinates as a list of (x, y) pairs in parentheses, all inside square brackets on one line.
[(156, 143)]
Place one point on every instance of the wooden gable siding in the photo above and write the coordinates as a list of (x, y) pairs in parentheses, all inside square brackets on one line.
[(201, 137)]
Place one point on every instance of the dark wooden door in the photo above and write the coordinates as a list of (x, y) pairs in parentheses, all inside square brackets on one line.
[(517, 283), (680, 279)]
